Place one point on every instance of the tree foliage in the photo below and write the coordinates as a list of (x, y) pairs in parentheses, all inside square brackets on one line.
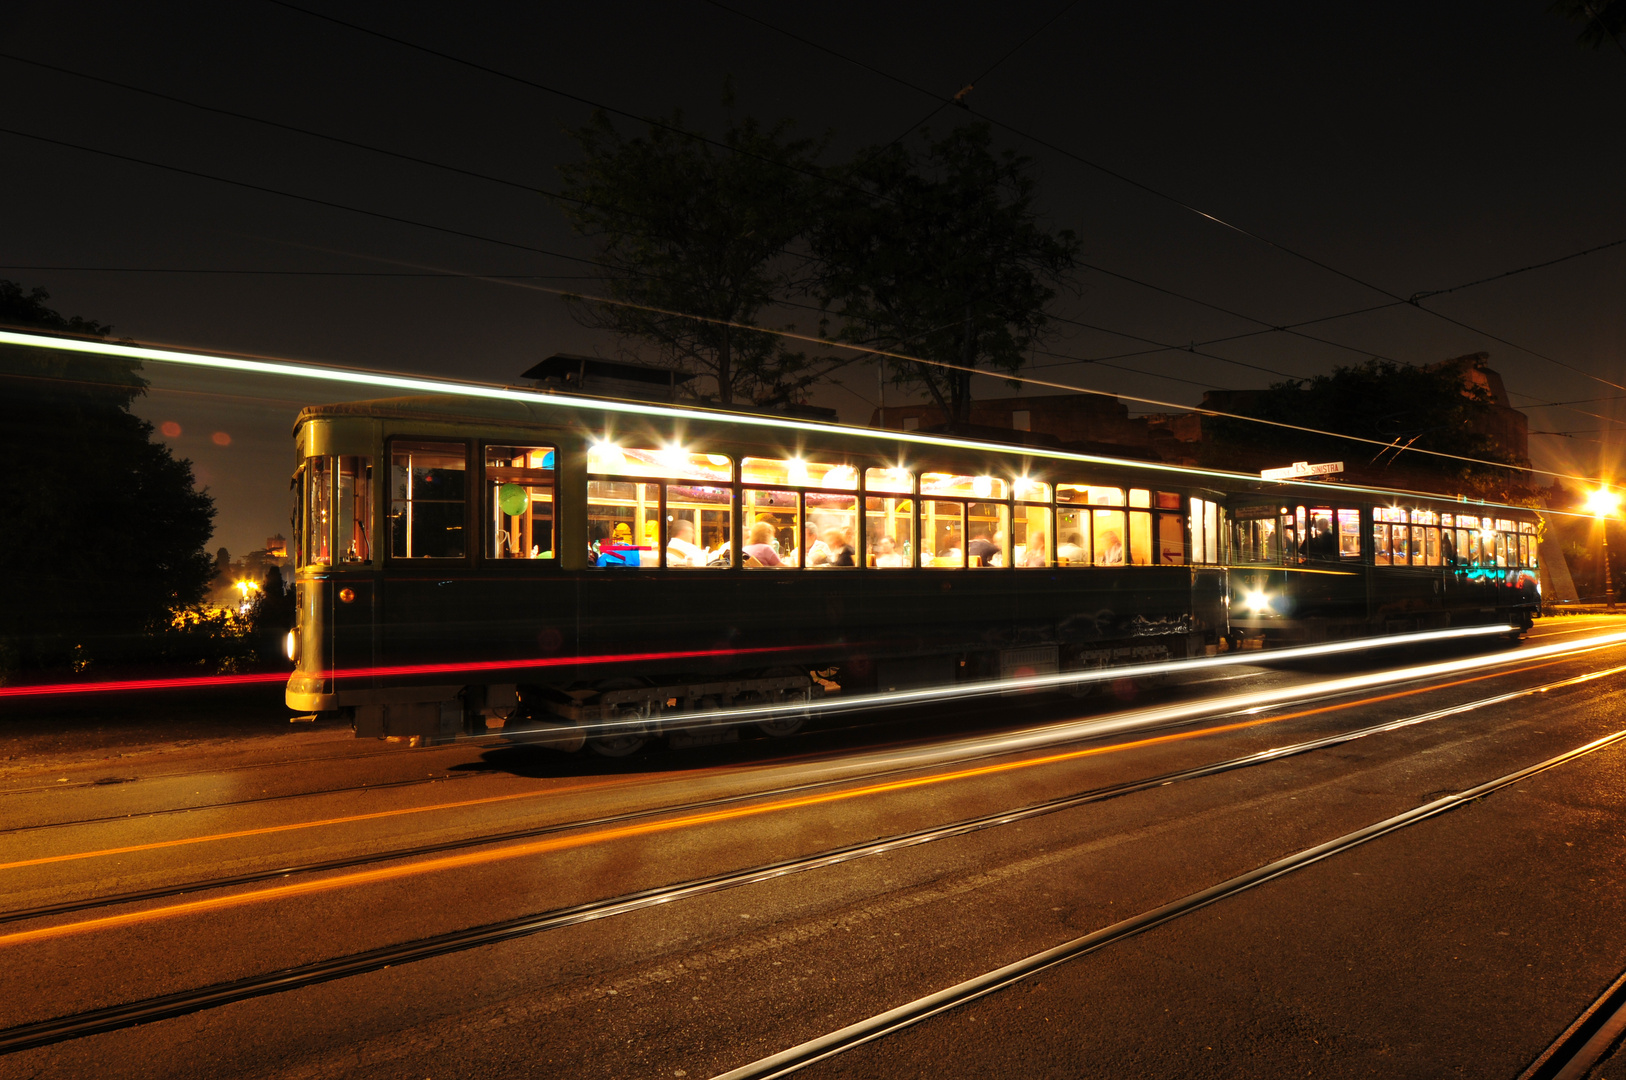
[(938, 252), (102, 532), (1602, 21), (1410, 408), (694, 243)]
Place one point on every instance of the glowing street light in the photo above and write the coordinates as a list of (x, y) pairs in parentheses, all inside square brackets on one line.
[(1604, 504)]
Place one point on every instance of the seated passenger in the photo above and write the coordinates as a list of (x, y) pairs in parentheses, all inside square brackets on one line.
[(838, 551), (1035, 555), (985, 551), (681, 550), (1072, 550), (1110, 550), (760, 546), (813, 552), (886, 553)]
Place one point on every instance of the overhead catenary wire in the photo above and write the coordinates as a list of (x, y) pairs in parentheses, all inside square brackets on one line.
[(531, 248), (1414, 301), (1064, 361)]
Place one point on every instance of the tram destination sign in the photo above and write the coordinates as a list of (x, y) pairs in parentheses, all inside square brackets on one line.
[(1302, 468)]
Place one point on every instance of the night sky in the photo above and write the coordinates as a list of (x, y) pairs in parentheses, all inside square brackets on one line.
[(1414, 147)]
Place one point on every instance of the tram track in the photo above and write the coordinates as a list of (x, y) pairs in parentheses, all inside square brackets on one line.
[(112, 1018), (1587, 1041), (907, 1015), (720, 802)]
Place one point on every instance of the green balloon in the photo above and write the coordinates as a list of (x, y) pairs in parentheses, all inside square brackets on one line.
[(513, 499)]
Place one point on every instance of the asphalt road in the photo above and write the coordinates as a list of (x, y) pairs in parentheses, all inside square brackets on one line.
[(1460, 945)]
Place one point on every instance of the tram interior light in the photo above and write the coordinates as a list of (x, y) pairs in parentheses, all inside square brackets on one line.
[(982, 486), (606, 457), (796, 471)]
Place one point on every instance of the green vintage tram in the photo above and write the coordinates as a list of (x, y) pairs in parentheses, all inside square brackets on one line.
[(605, 572), (613, 571)]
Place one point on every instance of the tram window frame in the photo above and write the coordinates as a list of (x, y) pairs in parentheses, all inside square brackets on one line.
[(1256, 537), (490, 508), (1040, 501), (353, 509), (788, 553), (317, 502), (390, 450)]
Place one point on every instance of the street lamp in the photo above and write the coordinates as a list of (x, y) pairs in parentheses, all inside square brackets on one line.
[(1603, 503)]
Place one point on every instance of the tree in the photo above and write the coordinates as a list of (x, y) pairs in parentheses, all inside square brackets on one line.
[(939, 253), (694, 245), (102, 533), (1602, 21)]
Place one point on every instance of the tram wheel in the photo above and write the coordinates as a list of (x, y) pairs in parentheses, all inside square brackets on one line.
[(782, 727), (617, 746)]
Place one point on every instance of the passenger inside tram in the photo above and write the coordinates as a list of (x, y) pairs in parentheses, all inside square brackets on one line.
[(681, 550), (839, 549), (985, 552), (760, 551), (1071, 552), (886, 553), (1034, 553), (1110, 550)]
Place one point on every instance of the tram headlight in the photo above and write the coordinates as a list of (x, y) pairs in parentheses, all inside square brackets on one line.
[(290, 645), (1257, 602)]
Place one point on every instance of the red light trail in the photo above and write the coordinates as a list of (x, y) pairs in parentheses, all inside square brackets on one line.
[(199, 681)]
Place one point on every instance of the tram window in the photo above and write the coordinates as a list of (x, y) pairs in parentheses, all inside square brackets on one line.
[(898, 481), (971, 487), (1140, 538), (889, 531), (988, 526), (1171, 540), (1253, 539), (794, 472), (1349, 534), (1205, 531), (623, 524), (1524, 550), (1072, 535), (1088, 495), (942, 533), (318, 511), (355, 509), (1107, 527), (1033, 491), (1031, 534), (427, 491), (699, 526), (1318, 541), (1431, 545), (1501, 549), (831, 531), (1140, 497), (519, 515), (780, 512), (664, 463), (1168, 500)]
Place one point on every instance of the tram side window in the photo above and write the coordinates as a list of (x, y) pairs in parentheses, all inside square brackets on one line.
[(1073, 525), (1349, 534), (1031, 531), (520, 490), (829, 536), (699, 526), (1205, 532), (771, 529), (623, 524), (1389, 536), (942, 533), (889, 519), (1319, 542), (427, 493), (355, 508), (318, 545), (1253, 539)]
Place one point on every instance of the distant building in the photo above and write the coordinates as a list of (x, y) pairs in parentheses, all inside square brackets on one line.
[(276, 547)]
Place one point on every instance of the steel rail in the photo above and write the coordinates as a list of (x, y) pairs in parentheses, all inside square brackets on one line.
[(907, 1015), (1585, 1042), (111, 1018), (170, 810), (252, 877)]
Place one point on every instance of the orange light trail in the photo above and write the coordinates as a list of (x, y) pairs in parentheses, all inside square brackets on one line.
[(649, 828)]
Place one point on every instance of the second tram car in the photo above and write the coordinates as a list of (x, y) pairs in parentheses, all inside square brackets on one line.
[(609, 572)]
